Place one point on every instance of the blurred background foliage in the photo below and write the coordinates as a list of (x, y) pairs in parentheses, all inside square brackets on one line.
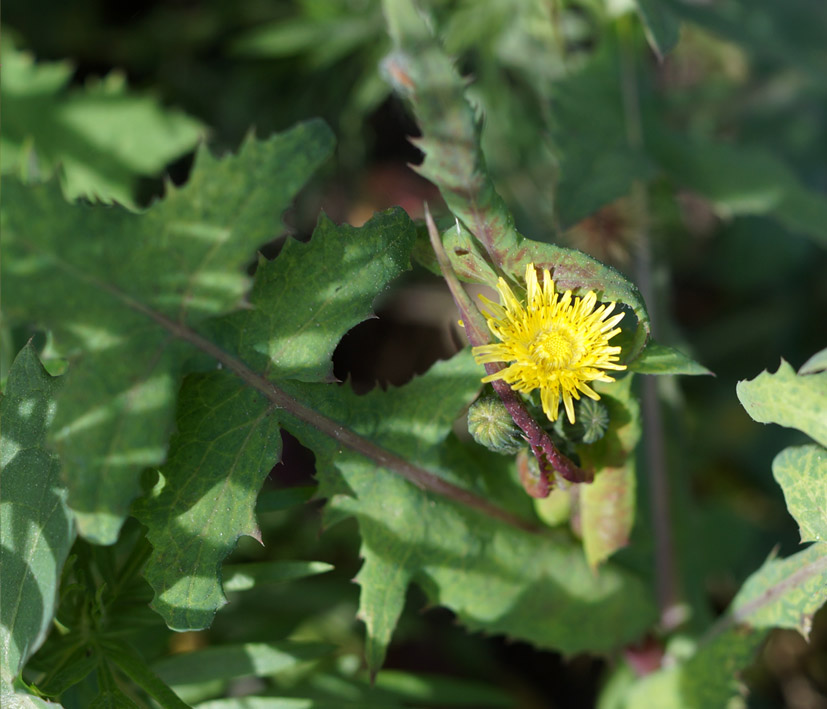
[(713, 155)]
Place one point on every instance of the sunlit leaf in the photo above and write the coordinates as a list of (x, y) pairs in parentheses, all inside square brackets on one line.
[(788, 399), (119, 283), (801, 472), (102, 137), (35, 526)]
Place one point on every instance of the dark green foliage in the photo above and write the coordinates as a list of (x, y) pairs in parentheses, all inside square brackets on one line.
[(668, 155)]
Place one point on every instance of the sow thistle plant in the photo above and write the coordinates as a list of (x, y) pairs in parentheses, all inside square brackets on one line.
[(157, 445)]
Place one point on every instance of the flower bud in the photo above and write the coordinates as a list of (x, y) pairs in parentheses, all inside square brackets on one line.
[(591, 422), (490, 425)]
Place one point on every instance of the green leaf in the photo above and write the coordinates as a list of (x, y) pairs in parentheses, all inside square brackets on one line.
[(112, 698), (228, 439), (816, 363), (662, 359), (441, 690), (802, 474), (243, 577), (597, 164), (784, 593), (225, 445), (275, 500), (741, 180), (661, 24), (134, 667), (229, 661), (304, 301), (35, 526), (607, 506), (121, 283), (25, 701), (707, 678), (496, 577), (103, 136), (789, 33), (788, 399), (420, 71)]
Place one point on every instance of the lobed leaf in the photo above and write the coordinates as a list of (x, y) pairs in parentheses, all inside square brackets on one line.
[(801, 471), (35, 527), (121, 283), (495, 577), (227, 441), (303, 302), (788, 399), (785, 593), (228, 433)]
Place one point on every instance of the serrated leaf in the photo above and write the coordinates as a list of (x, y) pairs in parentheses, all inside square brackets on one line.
[(785, 593), (228, 437), (35, 526), (230, 661), (103, 136), (420, 71), (304, 301), (662, 359), (788, 399), (607, 506), (120, 283), (802, 474), (495, 577), (225, 445), (661, 24)]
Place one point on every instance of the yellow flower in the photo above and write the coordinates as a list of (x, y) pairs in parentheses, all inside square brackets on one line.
[(555, 344)]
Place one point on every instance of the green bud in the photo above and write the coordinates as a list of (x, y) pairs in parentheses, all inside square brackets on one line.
[(490, 425), (591, 421)]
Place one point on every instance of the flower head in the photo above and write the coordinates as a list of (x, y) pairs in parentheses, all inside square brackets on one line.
[(557, 344)]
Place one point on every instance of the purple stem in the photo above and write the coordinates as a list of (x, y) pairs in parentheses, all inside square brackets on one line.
[(548, 457)]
